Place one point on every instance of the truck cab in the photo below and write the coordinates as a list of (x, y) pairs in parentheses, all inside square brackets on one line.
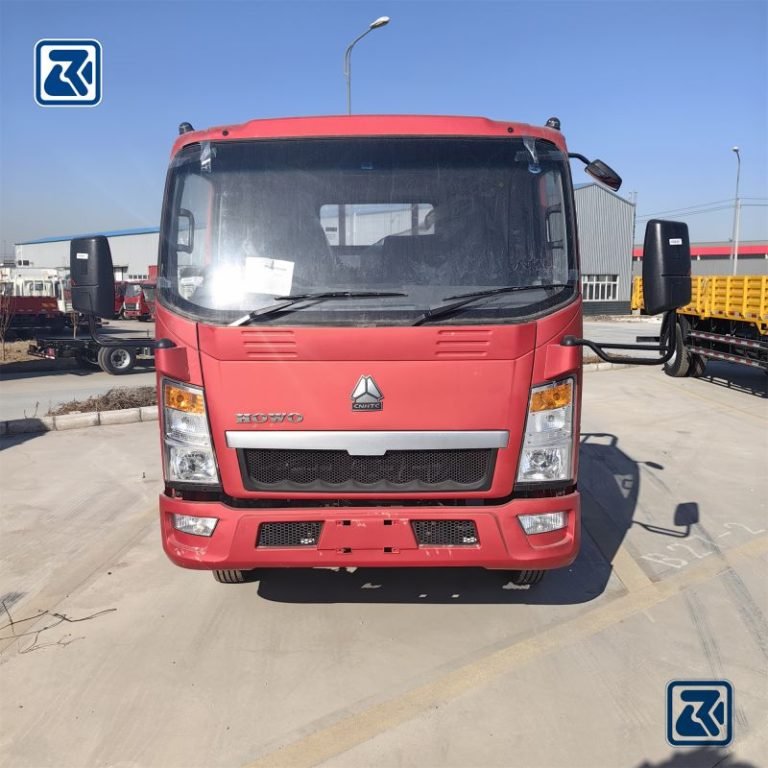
[(139, 300), (368, 345)]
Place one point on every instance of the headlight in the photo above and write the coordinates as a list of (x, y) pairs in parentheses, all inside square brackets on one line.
[(189, 456), (547, 454)]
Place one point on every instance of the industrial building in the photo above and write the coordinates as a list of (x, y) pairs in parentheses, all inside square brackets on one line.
[(606, 222), (133, 250)]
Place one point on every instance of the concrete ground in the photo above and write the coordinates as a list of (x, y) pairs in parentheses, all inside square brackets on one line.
[(117, 658)]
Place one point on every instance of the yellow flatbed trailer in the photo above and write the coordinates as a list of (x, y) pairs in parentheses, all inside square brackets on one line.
[(726, 319)]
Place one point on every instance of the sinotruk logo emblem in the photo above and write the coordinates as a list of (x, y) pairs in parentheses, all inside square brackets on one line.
[(68, 73), (366, 396), (699, 713)]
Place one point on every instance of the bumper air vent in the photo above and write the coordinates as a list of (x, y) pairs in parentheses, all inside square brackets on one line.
[(445, 533), (294, 534)]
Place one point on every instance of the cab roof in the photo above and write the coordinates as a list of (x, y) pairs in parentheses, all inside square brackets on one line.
[(368, 125)]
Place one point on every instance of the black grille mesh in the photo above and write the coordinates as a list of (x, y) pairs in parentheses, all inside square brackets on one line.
[(294, 534), (435, 470), (445, 533)]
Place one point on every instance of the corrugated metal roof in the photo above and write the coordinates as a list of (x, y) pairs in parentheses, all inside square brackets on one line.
[(718, 250), (115, 233), (577, 187)]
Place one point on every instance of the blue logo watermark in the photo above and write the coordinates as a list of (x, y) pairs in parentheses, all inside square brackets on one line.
[(68, 73), (699, 713)]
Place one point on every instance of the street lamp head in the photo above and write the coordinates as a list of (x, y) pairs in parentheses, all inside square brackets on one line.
[(380, 22), (735, 149)]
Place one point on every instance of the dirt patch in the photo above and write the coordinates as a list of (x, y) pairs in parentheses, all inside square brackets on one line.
[(16, 352), (115, 399)]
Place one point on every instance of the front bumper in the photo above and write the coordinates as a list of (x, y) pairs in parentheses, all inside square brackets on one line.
[(373, 536)]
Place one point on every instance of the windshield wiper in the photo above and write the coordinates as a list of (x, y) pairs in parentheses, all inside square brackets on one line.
[(287, 303), (469, 298)]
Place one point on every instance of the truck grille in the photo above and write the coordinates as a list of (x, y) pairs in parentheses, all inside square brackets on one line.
[(295, 534), (445, 533), (394, 472)]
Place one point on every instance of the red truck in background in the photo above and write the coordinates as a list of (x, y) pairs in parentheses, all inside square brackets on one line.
[(33, 300), (368, 343), (139, 298)]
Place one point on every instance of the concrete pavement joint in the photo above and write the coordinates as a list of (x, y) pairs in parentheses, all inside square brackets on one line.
[(358, 728)]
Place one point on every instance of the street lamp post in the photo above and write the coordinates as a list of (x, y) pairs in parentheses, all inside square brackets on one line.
[(736, 212), (380, 22)]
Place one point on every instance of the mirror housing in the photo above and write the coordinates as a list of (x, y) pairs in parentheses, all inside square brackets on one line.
[(93, 278), (185, 238), (603, 173), (666, 266)]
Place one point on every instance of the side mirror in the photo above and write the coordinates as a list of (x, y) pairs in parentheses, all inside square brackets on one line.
[(93, 279), (603, 173), (666, 266), (185, 235)]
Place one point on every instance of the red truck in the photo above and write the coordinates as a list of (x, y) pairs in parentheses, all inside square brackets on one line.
[(368, 343), (31, 300), (139, 300), (28, 315)]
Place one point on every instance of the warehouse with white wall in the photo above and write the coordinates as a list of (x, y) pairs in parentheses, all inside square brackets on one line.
[(133, 251)]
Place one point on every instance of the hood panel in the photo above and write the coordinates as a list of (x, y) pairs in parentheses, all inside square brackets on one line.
[(360, 344), (421, 379)]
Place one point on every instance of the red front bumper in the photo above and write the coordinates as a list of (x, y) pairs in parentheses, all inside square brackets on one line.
[(373, 537)]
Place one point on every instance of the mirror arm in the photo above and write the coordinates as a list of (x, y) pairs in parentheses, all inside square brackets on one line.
[(106, 341), (666, 346), (577, 156)]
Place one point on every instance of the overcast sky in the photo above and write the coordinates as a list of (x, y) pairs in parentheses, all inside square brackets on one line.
[(660, 90)]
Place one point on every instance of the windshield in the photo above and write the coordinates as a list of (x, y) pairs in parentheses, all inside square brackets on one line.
[(430, 218), (132, 290)]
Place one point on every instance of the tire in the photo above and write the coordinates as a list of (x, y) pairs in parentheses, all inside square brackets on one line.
[(679, 364), (525, 578), (117, 360), (698, 364), (230, 577)]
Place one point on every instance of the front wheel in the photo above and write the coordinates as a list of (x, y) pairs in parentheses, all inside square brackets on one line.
[(525, 578), (230, 576), (117, 360)]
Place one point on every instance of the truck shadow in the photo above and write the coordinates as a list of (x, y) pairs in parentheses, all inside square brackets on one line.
[(11, 441), (700, 758), (740, 378), (610, 484)]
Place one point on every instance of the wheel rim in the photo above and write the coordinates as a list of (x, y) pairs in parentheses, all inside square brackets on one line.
[(119, 358)]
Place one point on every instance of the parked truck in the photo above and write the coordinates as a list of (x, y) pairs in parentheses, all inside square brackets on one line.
[(117, 357), (369, 344), (33, 300), (726, 319), (139, 301)]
